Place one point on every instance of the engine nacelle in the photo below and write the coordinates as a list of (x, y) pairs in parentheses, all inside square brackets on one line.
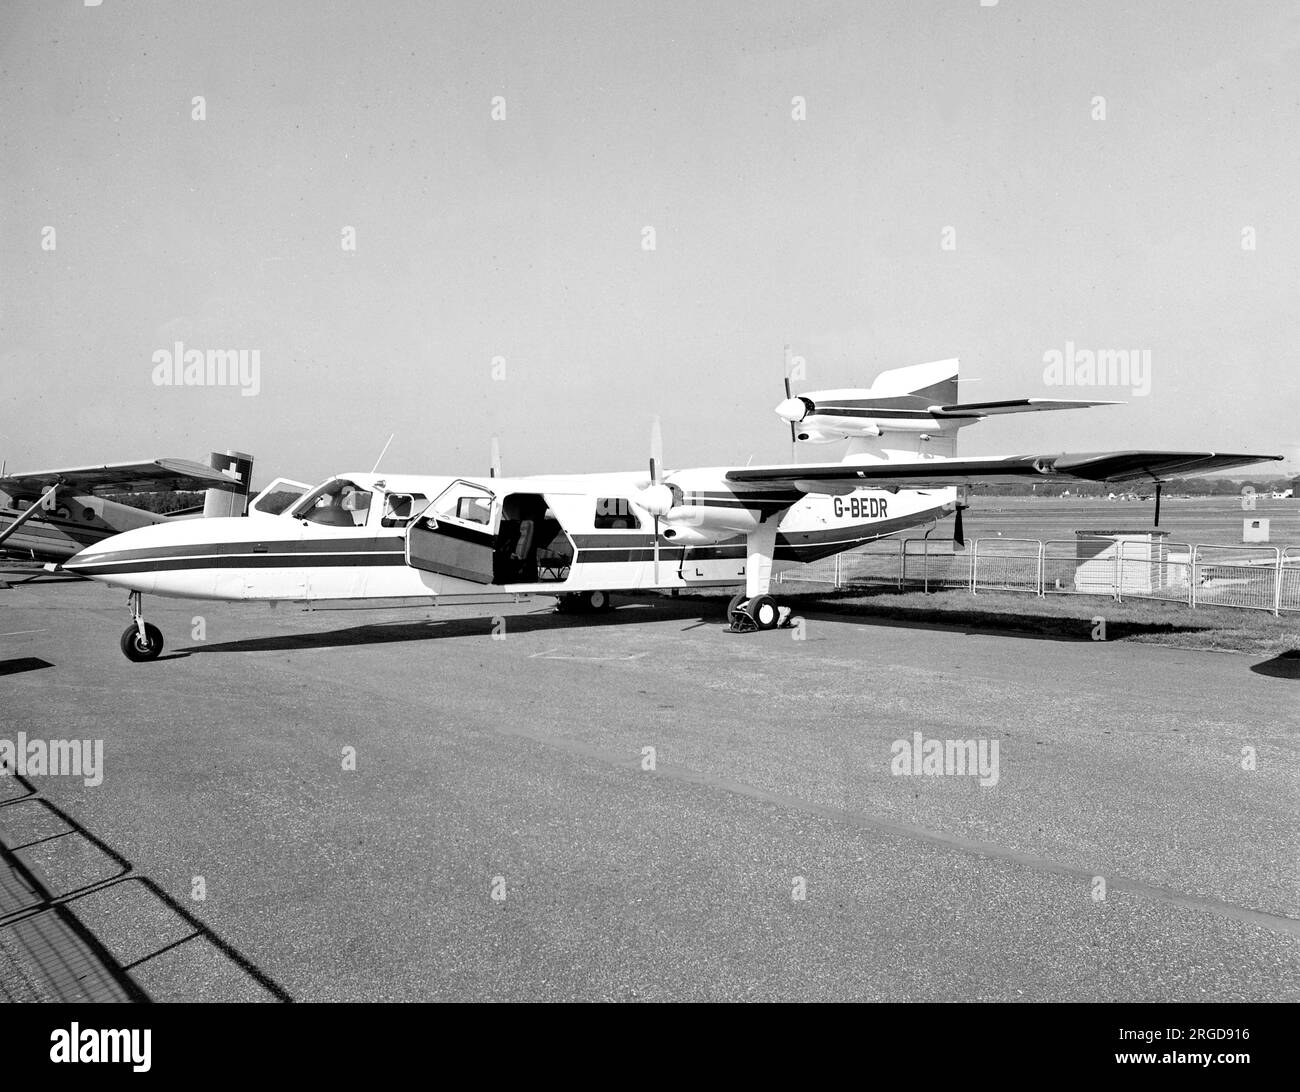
[(694, 536), (815, 434)]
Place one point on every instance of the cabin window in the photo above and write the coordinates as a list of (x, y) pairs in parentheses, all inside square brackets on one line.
[(400, 508), (615, 514)]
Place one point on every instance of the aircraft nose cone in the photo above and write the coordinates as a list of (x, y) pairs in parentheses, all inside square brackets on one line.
[(792, 409)]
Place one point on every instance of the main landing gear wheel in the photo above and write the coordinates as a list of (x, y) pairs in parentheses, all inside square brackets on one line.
[(734, 606), (140, 650), (591, 602), (763, 610), (140, 641), (760, 612)]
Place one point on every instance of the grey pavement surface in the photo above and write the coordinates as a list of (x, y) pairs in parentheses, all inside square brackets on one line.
[(515, 765)]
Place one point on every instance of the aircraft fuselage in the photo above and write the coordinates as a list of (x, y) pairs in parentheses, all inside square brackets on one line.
[(399, 539)]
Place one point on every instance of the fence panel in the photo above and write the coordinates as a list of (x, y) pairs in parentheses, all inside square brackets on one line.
[(1162, 570), (1007, 564), (879, 562), (823, 571), (1235, 576), (933, 565), (875, 563), (1288, 580), (1070, 566)]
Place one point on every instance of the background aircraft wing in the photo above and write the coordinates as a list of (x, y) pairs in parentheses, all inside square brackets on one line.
[(1110, 466), (127, 477), (1011, 405)]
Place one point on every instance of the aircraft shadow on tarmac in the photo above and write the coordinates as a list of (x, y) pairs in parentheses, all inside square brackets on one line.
[(20, 664), (68, 960), (701, 612), (436, 629), (1286, 665)]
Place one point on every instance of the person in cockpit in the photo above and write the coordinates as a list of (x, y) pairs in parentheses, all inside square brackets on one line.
[(342, 507)]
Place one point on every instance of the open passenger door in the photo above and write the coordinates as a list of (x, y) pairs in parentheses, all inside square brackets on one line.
[(455, 534)]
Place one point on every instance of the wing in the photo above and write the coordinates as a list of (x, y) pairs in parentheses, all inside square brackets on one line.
[(127, 477), (1013, 405), (1110, 466)]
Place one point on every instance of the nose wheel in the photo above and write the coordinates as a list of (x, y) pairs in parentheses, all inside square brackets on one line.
[(141, 641)]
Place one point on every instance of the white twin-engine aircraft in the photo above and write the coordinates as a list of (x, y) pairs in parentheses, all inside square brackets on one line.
[(388, 540)]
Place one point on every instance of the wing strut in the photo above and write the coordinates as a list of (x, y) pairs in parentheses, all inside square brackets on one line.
[(46, 498), (760, 548)]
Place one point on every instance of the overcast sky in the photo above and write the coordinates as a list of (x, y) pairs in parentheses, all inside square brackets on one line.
[(1102, 167)]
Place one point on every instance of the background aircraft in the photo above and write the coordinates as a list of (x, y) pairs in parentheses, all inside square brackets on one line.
[(50, 515)]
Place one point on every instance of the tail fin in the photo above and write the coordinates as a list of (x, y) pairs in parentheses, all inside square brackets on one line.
[(233, 501), (934, 384)]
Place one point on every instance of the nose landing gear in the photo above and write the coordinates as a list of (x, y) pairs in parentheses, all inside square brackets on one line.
[(141, 641)]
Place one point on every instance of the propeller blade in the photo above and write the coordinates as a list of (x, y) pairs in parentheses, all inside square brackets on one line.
[(788, 396), (656, 549), (1157, 522), (656, 447), (958, 536)]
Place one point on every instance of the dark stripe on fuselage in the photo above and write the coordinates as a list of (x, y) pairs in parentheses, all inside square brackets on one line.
[(480, 537), (242, 561), (352, 544), (869, 411)]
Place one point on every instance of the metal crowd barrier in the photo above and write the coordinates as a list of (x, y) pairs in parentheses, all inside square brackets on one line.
[(1203, 574)]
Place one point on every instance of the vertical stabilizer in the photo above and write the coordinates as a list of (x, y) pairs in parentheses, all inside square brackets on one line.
[(233, 501)]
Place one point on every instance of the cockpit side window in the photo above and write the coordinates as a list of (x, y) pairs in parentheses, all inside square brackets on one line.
[(338, 503), (463, 501), (474, 509)]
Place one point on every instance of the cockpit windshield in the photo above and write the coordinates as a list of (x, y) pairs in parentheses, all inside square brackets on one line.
[(337, 503)]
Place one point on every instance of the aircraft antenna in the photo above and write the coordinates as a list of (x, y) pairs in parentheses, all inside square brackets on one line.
[(382, 453)]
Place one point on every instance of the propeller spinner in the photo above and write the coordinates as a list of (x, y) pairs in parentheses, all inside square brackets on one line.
[(793, 409)]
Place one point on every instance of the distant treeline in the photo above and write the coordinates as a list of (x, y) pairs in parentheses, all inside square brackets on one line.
[(1188, 487), (162, 503)]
